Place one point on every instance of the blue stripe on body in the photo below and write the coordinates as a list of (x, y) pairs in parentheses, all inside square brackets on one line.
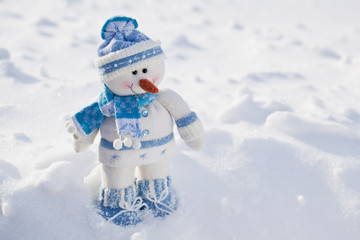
[(183, 122), (144, 144), (120, 63)]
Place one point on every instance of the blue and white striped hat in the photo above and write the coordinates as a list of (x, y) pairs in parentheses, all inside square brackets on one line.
[(124, 48)]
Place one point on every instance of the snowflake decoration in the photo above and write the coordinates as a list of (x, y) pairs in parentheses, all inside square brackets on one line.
[(114, 157)]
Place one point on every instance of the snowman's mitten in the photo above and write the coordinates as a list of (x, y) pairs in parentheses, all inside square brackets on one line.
[(80, 145), (193, 134), (189, 125), (197, 144), (80, 142)]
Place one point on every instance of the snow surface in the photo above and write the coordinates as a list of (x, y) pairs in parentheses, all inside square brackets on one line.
[(276, 84)]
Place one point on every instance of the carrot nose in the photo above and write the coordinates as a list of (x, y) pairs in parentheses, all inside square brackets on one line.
[(148, 86)]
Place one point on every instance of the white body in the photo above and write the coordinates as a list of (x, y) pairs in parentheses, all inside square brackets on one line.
[(152, 163)]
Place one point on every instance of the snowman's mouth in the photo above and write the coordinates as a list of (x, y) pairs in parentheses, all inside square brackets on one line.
[(132, 89)]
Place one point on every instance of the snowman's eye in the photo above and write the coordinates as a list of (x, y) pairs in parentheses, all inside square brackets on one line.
[(134, 72), (144, 70)]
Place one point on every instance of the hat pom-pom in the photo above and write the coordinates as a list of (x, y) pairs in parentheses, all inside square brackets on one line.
[(117, 24)]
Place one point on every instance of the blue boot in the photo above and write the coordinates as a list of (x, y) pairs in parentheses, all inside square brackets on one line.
[(120, 206), (158, 196)]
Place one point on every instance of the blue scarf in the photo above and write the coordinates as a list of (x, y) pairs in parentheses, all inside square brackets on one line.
[(126, 110)]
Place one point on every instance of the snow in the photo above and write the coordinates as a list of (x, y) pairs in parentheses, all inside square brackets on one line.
[(275, 82)]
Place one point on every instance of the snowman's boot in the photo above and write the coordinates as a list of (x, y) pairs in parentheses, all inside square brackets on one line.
[(120, 206), (158, 195)]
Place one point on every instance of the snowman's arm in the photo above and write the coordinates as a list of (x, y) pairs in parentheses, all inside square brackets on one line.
[(188, 124), (81, 140)]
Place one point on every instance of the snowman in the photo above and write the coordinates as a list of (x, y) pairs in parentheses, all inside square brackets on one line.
[(135, 121)]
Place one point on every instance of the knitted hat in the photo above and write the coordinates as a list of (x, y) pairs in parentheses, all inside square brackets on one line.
[(124, 48)]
